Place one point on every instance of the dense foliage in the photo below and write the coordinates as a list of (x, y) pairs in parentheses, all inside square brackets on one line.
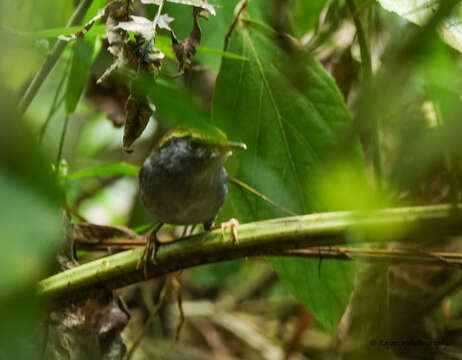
[(346, 107)]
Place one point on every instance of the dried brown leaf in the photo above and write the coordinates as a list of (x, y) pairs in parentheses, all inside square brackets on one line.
[(196, 3), (117, 12), (138, 114), (144, 26), (109, 97), (187, 48), (94, 234)]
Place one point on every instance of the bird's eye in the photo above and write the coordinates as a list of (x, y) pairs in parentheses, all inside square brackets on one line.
[(194, 144)]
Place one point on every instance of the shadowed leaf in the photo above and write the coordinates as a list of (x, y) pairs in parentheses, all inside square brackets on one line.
[(291, 129)]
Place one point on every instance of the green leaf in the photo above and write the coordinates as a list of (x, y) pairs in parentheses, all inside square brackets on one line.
[(83, 56), (226, 54), (291, 115), (420, 11), (324, 289), (119, 168)]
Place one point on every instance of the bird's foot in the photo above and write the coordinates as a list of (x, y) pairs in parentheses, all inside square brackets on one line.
[(230, 224), (152, 245)]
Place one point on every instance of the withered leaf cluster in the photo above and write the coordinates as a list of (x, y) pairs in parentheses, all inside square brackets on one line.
[(132, 42)]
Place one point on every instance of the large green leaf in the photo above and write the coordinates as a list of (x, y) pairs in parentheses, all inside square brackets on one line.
[(30, 230), (291, 115)]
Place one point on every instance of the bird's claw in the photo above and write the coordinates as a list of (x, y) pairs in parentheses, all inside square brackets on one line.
[(230, 224), (152, 245)]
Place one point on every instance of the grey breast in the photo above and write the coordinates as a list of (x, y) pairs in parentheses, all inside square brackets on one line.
[(180, 186)]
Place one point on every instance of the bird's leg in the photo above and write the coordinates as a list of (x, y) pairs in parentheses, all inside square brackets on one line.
[(230, 224), (185, 231), (155, 243), (152, 245)]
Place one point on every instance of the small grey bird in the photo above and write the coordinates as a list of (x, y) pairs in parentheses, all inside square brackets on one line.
[(184, 181)]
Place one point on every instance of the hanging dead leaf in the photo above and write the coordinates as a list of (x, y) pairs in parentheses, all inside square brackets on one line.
[(187, 48), (109, 97), (196, 3), (138, 113), (117, 40), (144, 26)]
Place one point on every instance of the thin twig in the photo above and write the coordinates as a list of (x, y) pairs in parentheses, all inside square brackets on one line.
[(156, 19), (55, 104), (241, 6), (61, 144), (260, 195), (51, 60), (396, 256), (147, 324)]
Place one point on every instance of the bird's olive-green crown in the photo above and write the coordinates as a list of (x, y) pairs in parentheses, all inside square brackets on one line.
[(209, 136)]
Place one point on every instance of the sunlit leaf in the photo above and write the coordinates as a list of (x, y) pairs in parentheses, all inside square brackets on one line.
[(419, 12), (66, 31), (120, 168)]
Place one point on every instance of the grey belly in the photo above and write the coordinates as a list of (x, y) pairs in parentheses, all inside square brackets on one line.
[(176, 201)]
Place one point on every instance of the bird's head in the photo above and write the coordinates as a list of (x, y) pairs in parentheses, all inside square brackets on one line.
[(203, 149)]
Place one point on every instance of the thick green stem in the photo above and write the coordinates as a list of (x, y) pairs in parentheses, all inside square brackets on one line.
[(272, 237), (366, 66), (365, 54), (61, 144), (51, 60)]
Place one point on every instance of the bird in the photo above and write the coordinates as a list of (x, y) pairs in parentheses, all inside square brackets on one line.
[(183, 181)]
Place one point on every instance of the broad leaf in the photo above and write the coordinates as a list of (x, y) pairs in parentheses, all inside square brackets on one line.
[(292, 117)]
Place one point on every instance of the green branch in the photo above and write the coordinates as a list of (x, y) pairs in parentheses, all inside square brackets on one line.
[(271, 237)]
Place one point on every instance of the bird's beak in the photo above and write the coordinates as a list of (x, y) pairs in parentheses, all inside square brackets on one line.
[(234, 145), (227, 149)]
